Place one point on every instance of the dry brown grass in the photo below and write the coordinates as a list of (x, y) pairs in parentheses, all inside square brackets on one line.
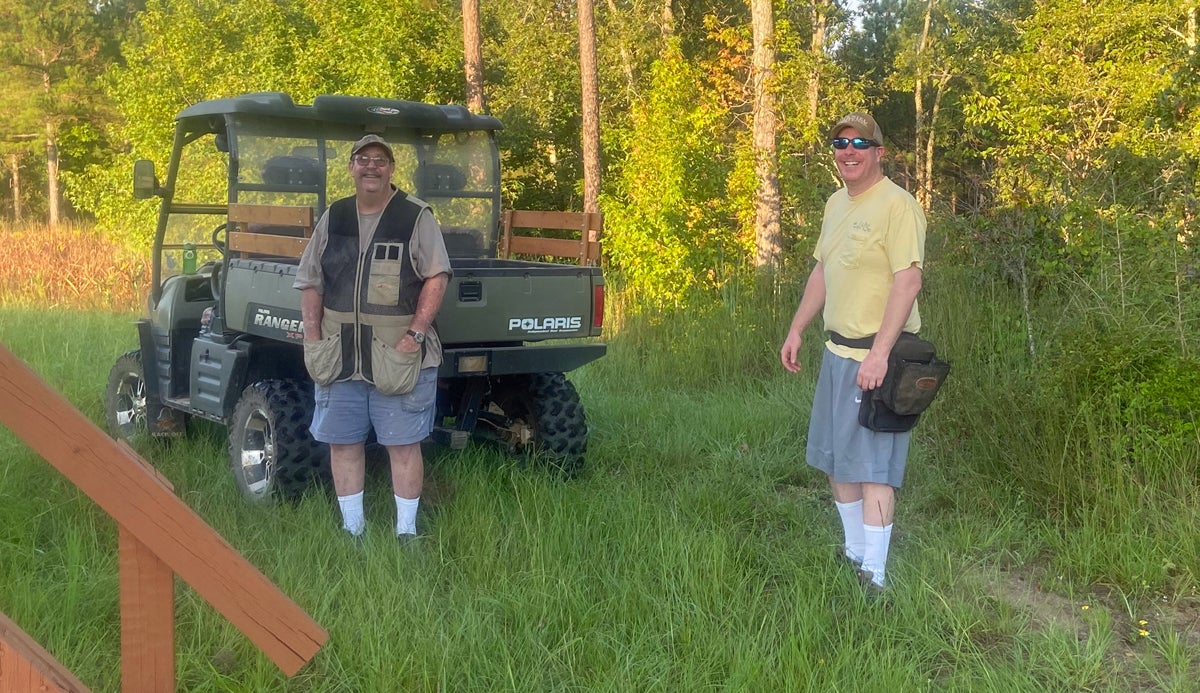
[(72, 266)]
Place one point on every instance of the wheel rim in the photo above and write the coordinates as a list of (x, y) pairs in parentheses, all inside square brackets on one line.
[(258, 453), (131, 404)]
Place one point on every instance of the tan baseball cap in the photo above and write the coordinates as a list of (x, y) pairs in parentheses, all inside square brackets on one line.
[(865, 124), (372, 139)]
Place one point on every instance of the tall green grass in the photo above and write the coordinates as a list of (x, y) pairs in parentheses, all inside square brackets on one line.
[(697, 551)]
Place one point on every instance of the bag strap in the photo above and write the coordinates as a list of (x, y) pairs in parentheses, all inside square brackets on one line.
[(858, 343)]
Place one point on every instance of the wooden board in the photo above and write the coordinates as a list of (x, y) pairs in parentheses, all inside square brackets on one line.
[(272, 215), (266, 244), (585, 249), (26, 667), (114, 477), (147, 618)]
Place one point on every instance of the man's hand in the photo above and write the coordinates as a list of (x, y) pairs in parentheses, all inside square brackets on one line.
[(810, 305), (407, 344), (872, 370), (789, 352)]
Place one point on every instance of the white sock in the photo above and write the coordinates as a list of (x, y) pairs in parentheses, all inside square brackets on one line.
[(852, 525), (406, 515), (353, 519), (876, 553)]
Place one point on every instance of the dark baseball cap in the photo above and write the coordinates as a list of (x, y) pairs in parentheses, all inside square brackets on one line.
[(372, 139)]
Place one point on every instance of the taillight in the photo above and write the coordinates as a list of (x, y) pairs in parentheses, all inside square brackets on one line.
[(598, 307)]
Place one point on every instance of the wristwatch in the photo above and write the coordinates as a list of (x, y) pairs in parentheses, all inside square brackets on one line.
[(418, 337)]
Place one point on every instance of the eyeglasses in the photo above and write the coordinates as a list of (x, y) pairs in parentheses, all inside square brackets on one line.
[(365, 161), (858, 142)]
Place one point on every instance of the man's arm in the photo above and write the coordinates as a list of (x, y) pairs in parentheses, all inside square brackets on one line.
[(905, 287), (811, 303), (311, 311), (428, 303)]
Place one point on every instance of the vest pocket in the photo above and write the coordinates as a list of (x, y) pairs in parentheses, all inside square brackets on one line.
[(395, 372), (323, 358), (383, 284)]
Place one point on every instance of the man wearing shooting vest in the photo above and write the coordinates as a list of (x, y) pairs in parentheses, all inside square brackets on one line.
[(372, 280)]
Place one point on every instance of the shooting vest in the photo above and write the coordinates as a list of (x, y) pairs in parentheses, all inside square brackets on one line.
[(369, 299)]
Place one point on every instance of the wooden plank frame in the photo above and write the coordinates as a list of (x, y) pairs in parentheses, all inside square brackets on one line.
[(26, 666), (147, 598), (248, 236), (585, 250), (160, 536)]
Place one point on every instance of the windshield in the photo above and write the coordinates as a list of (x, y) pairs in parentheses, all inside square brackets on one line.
[(455, 173)]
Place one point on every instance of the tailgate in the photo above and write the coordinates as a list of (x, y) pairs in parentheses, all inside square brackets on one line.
[(490, 301)]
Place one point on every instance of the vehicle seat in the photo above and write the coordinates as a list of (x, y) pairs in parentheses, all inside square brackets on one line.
[(291, 170), (436, 180)]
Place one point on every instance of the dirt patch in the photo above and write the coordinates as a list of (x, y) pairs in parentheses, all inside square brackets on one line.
[(1024, 592), (1133, 652)]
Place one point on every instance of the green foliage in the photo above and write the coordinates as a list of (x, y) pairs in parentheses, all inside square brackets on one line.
[(870, 47), (1133, 369), (185, 52), (49, 63), (533, 86), (1067, 105), (668, 225), (21, 138)]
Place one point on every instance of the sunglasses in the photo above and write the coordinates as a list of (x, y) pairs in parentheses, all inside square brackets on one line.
[(365, 161), (858, 142)]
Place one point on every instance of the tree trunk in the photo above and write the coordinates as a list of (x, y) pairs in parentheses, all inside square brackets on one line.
[(14, 168), (820, 20), (930, 136), (766, 218), (1192, 23), (626, 59), (923, 148), (591, 106), (473, 55), (51, 160), (52, 174)]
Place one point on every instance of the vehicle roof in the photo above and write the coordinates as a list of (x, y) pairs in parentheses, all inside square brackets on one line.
[(347, 110)]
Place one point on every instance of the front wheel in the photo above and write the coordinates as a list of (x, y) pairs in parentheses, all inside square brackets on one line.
[(271, 451), (125, 398), (545, 419)]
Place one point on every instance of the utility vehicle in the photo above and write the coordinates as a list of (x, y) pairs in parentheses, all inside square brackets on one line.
[(246, 180)]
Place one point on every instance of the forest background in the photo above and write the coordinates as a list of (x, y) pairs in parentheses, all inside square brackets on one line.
[(1054, 145)]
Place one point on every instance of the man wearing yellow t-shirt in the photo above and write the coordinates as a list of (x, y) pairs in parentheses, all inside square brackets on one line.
[(865, 283)]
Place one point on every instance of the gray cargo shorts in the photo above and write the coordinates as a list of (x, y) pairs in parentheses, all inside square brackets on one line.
[(837, 444)]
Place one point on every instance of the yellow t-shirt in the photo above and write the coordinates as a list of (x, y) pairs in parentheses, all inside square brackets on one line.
[(865, 240)]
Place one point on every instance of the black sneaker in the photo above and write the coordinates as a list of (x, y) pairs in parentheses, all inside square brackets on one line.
[(842, 556), (867, 579)]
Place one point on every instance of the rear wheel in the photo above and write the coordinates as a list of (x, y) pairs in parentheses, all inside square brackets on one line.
[(545, 419), (125, 398), (271, 451)]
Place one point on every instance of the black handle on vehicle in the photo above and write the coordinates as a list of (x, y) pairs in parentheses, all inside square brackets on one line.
[(470, 292)]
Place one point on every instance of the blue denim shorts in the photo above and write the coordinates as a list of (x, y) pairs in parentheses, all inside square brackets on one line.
[(346, 412)]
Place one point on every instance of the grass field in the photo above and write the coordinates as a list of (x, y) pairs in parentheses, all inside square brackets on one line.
[(696, 552)]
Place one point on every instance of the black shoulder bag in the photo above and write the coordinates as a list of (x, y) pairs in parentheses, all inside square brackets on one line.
[(914, 376)]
